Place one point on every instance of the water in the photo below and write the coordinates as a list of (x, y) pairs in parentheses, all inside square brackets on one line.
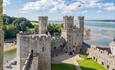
[(9, 55), (104, 28)]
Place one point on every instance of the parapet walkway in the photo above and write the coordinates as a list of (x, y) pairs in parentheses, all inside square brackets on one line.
[(34, 65)]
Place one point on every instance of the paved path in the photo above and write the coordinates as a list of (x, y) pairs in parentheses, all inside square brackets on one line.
[(65, 58)]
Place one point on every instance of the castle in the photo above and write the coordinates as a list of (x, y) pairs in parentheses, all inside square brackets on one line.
[(35, 50), (42, 46)]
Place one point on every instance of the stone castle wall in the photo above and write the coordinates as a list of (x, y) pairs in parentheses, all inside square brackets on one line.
[(102, 57), (58, 46), (73, 34), (1, 48), (40, 44)]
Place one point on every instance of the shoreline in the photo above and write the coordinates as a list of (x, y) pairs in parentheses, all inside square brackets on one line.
[(9, 47)]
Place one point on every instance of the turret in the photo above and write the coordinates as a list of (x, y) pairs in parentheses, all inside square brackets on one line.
[(81, 22), (68, 22), (43, 20)]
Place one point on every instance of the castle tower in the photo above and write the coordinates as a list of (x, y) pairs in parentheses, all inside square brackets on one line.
[(68, 22), (43, 20), (44, 50), (81, 22), (1, 49), (72, 34), (23, 43), (67, 31)]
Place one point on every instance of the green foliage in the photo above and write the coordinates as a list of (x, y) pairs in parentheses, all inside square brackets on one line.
[(10, 31), (13, 25), (63, 66), (54, 29)]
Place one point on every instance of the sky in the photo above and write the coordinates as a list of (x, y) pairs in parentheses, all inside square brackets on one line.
[(56, 9)]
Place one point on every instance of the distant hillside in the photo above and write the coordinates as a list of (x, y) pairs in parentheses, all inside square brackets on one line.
[(102, 20)]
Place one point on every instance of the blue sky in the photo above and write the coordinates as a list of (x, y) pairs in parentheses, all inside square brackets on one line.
[(56, 9)]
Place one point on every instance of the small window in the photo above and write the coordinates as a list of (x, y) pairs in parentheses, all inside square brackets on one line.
[(108, 66), (43, 49), (54, 48)]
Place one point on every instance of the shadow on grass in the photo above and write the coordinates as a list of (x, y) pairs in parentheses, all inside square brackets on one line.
[(65, 66), (86, 68)]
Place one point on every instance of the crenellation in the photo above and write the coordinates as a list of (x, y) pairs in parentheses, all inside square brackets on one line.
[(68, 17)]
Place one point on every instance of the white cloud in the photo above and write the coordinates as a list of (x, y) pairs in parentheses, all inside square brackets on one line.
[(6, 2), (41, 5), (61, 6), (109, 6)]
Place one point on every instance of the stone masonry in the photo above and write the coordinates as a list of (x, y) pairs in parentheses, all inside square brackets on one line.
[(102, 56), (1, 36), (1, 49), (73, 34), (40, 44), (44, 46)]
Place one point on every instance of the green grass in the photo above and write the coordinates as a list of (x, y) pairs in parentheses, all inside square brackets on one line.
[(63, 66), (31, 29), (34, 23), (83, 56), (90, 64)]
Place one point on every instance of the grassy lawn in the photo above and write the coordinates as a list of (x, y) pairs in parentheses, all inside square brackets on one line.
[(90, 64), (63, 66), (83, 56), (34, 23)]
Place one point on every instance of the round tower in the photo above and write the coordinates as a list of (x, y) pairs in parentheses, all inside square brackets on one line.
[(43, 20)]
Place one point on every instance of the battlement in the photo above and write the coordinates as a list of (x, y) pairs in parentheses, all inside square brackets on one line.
[(30, 36), (93, 48), (43, 17), (80, 17), (27, 33), (68, 17)]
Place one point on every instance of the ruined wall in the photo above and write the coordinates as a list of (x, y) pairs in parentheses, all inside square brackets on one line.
[(58, 45), (102, 57), (44, 48), (1, 49), (1, 36)]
